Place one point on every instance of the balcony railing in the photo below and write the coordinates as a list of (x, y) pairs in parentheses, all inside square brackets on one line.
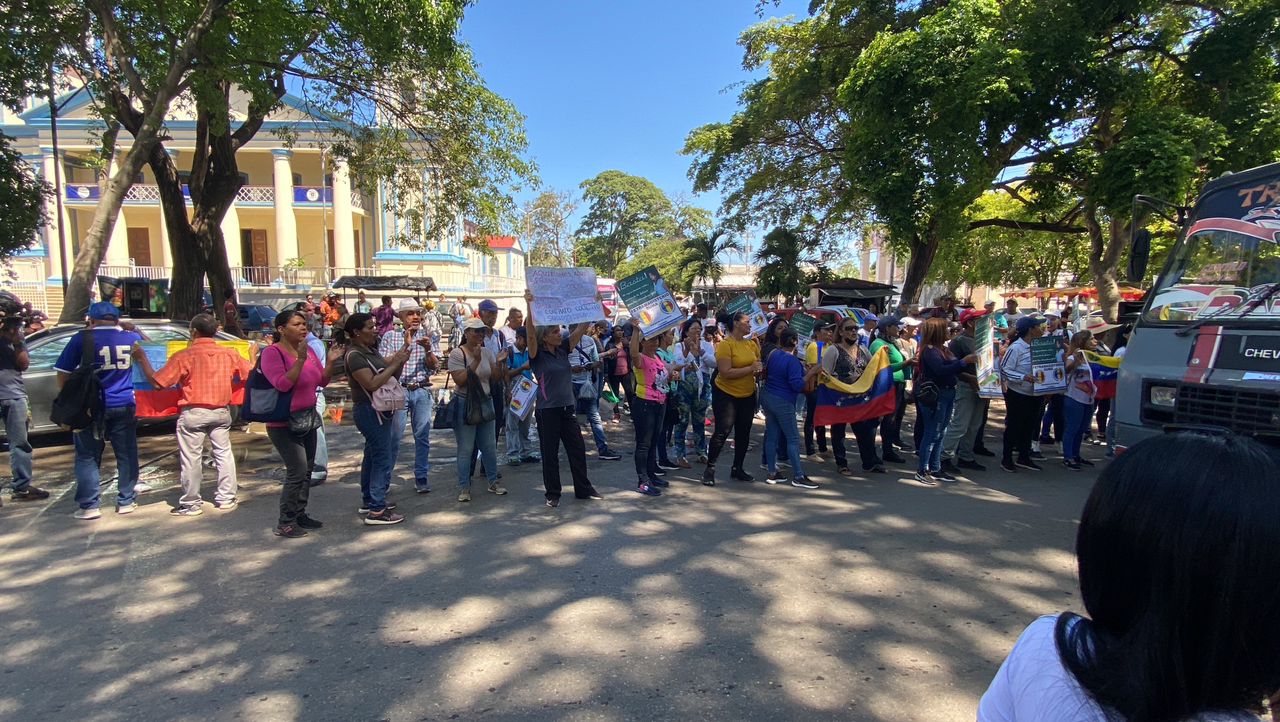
[(142, 193), (150, 273)]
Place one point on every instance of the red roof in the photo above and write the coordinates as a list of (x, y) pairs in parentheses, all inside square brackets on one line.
[(504, 242)]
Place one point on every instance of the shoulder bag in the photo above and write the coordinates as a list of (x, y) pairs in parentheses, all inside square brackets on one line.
[(925, 390), (479, 408), (447, 407), (262, 400), (387, 398)]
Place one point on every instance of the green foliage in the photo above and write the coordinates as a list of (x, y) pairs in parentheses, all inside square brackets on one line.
[(783, 256), (21, 201), (669, 256), (34, 33), (701, 254), (546, 227), (624, 214), (1009, 257)]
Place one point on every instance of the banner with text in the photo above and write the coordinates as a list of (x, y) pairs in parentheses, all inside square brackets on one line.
[(646, 297), (563, 296)]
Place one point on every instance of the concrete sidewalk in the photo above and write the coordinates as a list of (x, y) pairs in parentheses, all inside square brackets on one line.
[(870, 598)]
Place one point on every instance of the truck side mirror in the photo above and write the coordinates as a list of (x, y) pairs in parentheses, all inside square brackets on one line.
[(1139, 255)]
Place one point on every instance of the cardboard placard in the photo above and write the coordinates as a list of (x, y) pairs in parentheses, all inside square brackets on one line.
[(564, 296)]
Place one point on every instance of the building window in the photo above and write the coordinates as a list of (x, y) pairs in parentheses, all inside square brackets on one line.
[(297, 179)]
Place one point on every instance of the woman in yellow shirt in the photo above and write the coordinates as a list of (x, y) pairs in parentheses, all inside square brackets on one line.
[(733, 397)]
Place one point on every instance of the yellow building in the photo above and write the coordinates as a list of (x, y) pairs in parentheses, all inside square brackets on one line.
[(298, 222)]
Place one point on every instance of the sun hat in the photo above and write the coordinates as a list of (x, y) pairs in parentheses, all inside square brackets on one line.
[(473, 324), (1097, 325), (407, 304)]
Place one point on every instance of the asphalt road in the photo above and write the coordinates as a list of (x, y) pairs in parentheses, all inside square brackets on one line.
[(867, 599)]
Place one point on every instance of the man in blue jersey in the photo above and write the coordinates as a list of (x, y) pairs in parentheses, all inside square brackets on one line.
[(114, 351)]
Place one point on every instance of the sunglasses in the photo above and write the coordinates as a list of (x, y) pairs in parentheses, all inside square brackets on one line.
[(849, 328)]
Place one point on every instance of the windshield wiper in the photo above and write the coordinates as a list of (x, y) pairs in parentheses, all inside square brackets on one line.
[(1251, 304)]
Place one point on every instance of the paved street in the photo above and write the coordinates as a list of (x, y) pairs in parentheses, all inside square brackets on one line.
[(869, 599)]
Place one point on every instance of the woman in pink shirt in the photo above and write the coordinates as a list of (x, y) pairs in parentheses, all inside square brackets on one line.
[(291, 366)]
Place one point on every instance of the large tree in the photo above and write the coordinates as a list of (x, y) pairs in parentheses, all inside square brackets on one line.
[(624, 213), (412, 117), (910, 109), (546, 227)]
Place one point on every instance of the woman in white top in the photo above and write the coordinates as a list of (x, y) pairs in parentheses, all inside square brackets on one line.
[(694, 364), (1077, 406), (472, 366), (1178, 547)]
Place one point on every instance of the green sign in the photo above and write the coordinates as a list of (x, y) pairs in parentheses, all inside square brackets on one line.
[(1049, 374), (803, 324)]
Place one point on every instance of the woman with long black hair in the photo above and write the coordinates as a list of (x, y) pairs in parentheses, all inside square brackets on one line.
[(292, 367), (733, 397), (1176, 550)]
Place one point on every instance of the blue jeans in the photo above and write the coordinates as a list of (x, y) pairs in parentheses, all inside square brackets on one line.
[(120, 427), (1077, 421), (780, 422), (375, 467), (13, 413), (470, 438), (320, 469), (519, 443), (592, 410), (419, 408), (935, 423)]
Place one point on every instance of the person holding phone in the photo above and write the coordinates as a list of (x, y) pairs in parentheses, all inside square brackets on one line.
[(368, 371)]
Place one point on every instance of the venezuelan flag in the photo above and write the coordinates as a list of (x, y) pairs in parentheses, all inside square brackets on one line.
[(153, 403), (1106, 369), (870, 397)]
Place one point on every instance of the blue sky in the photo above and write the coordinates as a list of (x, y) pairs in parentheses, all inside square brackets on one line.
[(615, 84)]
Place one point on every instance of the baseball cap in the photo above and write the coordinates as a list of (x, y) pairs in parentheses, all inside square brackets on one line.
[(1052, 314), (103, 310), (473, 324), (488, 305), (871, 318), (969, 314), (890, 320), (1026, 323), (911, 321), (407, 304)]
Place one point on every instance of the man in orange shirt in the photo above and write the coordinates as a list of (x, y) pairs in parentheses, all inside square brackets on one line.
[(204, 372)]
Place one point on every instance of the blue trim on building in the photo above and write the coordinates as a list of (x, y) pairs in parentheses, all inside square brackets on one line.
[(432, 256)]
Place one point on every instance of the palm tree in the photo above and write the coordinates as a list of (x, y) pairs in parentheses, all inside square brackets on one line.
[(703, 254), (782, 256)]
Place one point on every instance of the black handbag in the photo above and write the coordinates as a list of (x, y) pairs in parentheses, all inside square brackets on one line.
[(479, 408), (304, 421), (262, 400), (923, 390), (446, 416)]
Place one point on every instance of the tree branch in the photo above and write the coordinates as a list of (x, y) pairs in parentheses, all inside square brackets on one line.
[(1025, 225)]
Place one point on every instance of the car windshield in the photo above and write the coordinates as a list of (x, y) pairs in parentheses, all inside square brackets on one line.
[(1215, 272)]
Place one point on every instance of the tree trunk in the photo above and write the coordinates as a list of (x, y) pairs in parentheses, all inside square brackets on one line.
[(1106, 247), (84, 272), (922, 255)]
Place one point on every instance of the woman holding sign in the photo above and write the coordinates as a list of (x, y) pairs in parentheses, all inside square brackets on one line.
[(733, 397), (555, 414), (649, 408)]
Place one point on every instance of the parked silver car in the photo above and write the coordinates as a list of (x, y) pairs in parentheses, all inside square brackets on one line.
[(45, 346)]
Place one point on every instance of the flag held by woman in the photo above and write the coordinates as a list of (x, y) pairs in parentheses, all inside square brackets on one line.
[(869, 397)]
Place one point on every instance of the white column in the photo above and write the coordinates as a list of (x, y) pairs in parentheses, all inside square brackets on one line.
[(231, 236), (344, 237), (286, 224), (118, 247), (55, 250)]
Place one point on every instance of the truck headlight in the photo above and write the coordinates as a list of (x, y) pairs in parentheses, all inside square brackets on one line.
[(1163, 396)]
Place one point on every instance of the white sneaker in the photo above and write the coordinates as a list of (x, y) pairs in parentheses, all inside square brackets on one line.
[(88, 514), (132, 507), (142, 487), (1035, 446)]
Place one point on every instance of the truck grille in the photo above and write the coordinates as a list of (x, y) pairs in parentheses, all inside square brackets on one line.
[(1241, 410)]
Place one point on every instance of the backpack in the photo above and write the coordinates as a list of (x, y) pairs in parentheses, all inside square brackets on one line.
[(80, 401)]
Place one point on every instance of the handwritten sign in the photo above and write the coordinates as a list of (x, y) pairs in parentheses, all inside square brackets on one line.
[(563, 296), (647, 298), (1047, 369), (522, 396), (748, 304)]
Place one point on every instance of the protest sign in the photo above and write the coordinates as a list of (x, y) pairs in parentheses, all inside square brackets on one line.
[(646, 297), (522, 396), (1047, 369), (803, 324), (750, 306), (988, 379), (563, 296)]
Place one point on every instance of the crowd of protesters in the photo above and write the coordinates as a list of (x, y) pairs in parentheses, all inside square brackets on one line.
[(688, 392)]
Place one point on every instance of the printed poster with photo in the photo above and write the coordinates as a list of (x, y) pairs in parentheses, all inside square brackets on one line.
[(646, 297), (748, 304), (1048, 372), (988, 378), (804, 325), (523, 394)]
